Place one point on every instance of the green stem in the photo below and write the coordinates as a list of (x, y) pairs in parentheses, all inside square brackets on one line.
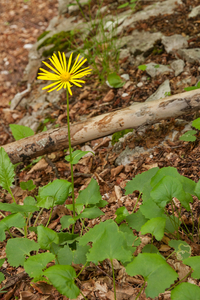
[(49, 217), (179, 281), (2, 214), (83, 295), (70, 153), (38, 217), (136, 203), (81, 270), (140, 290), (10, 233), (113, 272), (10, 192)]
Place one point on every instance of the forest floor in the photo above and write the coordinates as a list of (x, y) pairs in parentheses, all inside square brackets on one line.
[(21, 23)]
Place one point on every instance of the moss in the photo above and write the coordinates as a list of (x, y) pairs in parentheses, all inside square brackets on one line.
[(117, 135), (60, 42), (42, 35)]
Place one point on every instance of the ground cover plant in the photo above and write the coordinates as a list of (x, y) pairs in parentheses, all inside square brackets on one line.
[(51, 256)]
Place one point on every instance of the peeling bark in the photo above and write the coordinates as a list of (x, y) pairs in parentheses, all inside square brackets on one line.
[(96, 127)]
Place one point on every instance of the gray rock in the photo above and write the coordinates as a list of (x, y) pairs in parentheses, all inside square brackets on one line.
[(174, 42), (127, 156), (62, 6), (195, 12), (154, 69), (142, 42), (161, 92), (190, 55), (124, 53), (178, 66), (29, 121), (125, 76)]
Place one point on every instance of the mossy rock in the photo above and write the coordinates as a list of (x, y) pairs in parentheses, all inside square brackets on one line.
[(117, 135)]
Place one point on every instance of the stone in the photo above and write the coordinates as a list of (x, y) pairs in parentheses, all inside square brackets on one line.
[(125, 76), (178, 66), (29, 121), (195, 12), (190, 55), (154, 69), (142, 42), (174, 42), (124, 53), (127, 156), (62, 6), (162, 91)]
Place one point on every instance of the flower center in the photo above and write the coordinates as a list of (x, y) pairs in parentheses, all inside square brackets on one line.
[(65, 77)]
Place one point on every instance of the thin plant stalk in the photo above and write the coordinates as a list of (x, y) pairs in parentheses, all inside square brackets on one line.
[(179, 213), (136, 203), (70, 153), (49, 217), (10, 192), (113, 273), (179, 281), (38, 217), (140, 290)]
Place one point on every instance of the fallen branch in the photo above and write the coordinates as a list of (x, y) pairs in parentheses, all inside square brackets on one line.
[(131, 117)]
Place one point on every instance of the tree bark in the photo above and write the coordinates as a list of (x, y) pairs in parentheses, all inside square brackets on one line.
[(96, 127)]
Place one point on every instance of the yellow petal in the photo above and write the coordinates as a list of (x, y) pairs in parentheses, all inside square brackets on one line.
[(50, 67), (69, 62)]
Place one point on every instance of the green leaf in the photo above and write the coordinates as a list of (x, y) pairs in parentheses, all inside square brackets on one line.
[(185, 291), (188, 185), (115, 80), (20, 132), (46, 237), (155, 270), (16, 220), (156, 66), (131, 239), (58, 190), (194, 263), (123, 5), (188, 136), (90, 195), (79, 255), (7, 173), (150, 209), (167, 171), (190, 88), (67, 238), (142, 67), (140, 181), (166, 189), (45, 202), (76, 156), (65, 256), (90, 213), (35, 265), (121, 213), (183, 250), (196, 123), (197, 189), (18, 248), (66, 221), (108, 242), (136, 220), (27, 185), (30, 201), (62, 278), (78, 207), (2, 277), (14, 208), (150, 248), (154, 226)]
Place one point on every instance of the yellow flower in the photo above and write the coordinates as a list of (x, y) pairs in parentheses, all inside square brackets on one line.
[(63, 76)]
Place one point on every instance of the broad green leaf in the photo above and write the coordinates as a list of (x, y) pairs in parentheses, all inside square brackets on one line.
[(67, 238), (142, 67), (2, 277), (188, 185), (46, 237), (196, 123), (76, 156), (172, 224), (197, 189), (101, 203), (131, 239), (90, 195), (190, 88), (14, 208), (35, 265), (188, 136), (136, 220), (65, 256), (155, 226), (185, 291), (30, 201), (115, 80), (58, 190), (20, 132), (194, 263), (166, 189), (167, 171), (14, 220), (183, 250), (45, 202), (7, 173), (78, 207), (123, 5), (79, 255), (151, 210), (108, 242), (62, 278), (18, 248), (66, 221), (140, 181), (27, 185), (155, 270), (121, 213), (150, 248), (90, 213)]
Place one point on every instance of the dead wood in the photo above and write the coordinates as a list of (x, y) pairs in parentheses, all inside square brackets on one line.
[(100, 126)]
